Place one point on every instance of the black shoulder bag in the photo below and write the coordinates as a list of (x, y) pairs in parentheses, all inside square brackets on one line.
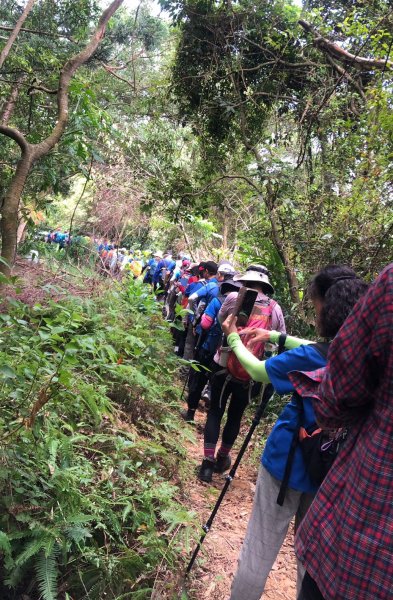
[(319, 450)]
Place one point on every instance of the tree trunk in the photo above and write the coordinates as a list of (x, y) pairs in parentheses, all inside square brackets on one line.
[(33, 152), (6, 113), (280, 247), (9, 219)]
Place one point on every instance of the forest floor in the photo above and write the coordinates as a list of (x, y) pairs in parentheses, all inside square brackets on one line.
[(216, 565)]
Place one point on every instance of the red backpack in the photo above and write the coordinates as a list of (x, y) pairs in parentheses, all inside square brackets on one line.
[(261, 317)]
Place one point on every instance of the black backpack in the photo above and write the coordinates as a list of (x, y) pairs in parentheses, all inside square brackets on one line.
[(319, 448)]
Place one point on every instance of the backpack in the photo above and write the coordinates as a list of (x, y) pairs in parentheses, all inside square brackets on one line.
[(166, 271), (261, 317), (319, 446)]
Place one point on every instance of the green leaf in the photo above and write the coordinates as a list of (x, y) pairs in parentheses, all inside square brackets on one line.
[(6, 372), (47, 573)]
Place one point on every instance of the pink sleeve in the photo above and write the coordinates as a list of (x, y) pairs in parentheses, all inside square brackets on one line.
[(278, 323), (206, 322)]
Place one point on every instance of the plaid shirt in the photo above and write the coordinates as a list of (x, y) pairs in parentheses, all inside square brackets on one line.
[(346, 538)]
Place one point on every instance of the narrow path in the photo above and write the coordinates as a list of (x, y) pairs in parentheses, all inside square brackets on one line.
[(216, 565)]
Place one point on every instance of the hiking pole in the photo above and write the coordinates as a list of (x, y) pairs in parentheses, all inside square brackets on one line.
[(266, 395), (185, 385)]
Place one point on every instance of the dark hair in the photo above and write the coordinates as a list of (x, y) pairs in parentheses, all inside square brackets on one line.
[(211, 267), (338, 288), (195, 271)]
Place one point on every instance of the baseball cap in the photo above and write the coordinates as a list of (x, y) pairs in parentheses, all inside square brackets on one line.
[(226, 269)]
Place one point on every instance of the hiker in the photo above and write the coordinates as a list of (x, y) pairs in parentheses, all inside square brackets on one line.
[(224, 384), (208, 290), (187, 285), (198, 300), (173, 295), (333, 291), (150, 268), (345, 540), (224, 271), (137, 264), (210, 338), (162, 274), (191, 318), (114, 260)]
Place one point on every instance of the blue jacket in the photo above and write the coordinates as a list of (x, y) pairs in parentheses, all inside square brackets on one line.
[(150, 270), (214, 334), (165, 263), (208, 291), (274, 457)]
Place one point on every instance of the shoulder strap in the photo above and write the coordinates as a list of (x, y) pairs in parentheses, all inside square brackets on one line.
[(292, 450), (322, 348)]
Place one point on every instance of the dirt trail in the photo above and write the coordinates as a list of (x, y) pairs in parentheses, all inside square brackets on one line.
[(216, 565)]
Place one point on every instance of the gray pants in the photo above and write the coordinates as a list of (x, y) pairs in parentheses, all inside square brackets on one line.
[(266, 531)]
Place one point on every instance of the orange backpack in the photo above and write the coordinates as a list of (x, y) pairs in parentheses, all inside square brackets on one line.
[(261, 317)]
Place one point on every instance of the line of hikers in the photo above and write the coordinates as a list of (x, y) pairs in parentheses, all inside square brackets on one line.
[(328, 460), (115, 260)]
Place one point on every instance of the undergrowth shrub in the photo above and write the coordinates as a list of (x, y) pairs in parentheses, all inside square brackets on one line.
[(89, 445)]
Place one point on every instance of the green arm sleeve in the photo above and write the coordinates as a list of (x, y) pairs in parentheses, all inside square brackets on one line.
[(291, 341), (256, 368)]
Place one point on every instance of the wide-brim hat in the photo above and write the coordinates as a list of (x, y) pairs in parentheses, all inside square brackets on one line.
[(158, 253), (258, 277), (231, 284)]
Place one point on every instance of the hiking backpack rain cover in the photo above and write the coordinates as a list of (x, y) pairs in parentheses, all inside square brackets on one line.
[(261, 317)]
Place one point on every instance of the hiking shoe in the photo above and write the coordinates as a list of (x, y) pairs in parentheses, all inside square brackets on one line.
[(188, 415), (222, 463), (206, 470)]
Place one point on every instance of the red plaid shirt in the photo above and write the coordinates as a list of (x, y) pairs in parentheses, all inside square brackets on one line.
[(346, 538)]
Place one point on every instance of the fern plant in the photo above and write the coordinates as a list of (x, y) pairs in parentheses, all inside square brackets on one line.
[(90, 442)]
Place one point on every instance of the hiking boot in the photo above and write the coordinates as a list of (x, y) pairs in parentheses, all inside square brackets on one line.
[(206, 470), (222, 463), (188, 415)]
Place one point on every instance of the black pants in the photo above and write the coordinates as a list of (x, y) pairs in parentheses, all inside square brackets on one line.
[(310, 590), (198, 379), (218, 403)]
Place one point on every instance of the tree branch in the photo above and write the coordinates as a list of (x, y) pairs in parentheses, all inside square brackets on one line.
[(15, 135), (65, 77), (343, 73), (5, 51), (30, 153), (340, 54), (37, 32)]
